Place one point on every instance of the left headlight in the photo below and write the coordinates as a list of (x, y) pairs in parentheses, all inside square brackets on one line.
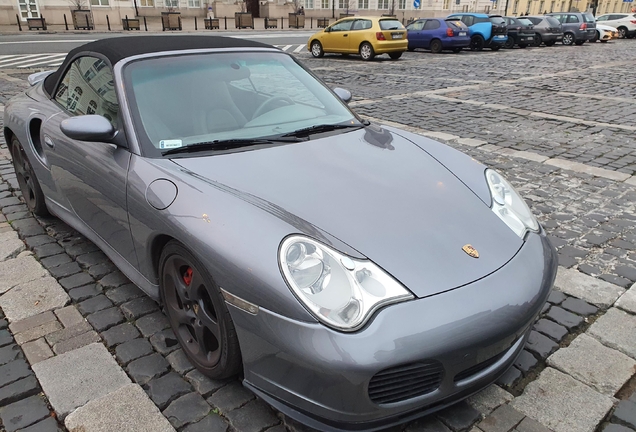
[(340, 291), (509, 206)]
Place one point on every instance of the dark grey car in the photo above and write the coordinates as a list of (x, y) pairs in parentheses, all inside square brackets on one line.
[(358, 276), (577, 27), (547, 30)]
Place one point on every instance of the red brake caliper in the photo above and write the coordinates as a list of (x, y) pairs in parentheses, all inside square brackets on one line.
[(187, 276)]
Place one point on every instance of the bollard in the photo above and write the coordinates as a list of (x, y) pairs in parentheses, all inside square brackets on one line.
[(195, 23), (108, 22), (145, 24), (19, 25), (65, 22), (311, 22), (225, 18), (179, 18), (282, 23), (87, 24)]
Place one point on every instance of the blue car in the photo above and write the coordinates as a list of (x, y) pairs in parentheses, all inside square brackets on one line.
[(484, 31), (438, 34)]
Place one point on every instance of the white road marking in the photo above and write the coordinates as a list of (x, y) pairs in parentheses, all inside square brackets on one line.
[(44, 60), (299, 49)]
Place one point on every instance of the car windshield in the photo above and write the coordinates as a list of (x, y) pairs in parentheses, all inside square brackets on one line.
[(525, 21), (177, 101), (390, 24), (589, 18), (553, 22)]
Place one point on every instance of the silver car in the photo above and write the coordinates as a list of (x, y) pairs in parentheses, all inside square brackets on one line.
[(358, 276)]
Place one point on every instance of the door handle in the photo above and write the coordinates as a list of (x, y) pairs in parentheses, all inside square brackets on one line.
[(345, 35), (48, 141)]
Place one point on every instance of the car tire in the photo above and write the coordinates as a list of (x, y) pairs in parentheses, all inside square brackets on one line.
[(550, 43), (622, 32), (523, 46), (28, 182), (411, 49), (316, 49), (510, 43), (198, 314), (538, 40), (495, 47), (477, 43), (457, 50), (395, 55), (436, 46), (568, 39), (603, 41), (579, 43), (366, 51)]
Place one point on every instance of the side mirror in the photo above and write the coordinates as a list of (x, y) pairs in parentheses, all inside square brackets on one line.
[(92, 128), (343, 94), (327, 29)]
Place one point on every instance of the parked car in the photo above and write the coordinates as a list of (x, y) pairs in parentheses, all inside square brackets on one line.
[(547, 30), (604, 33), (271, 223), (624, 23), (438, 34), (484, 31), (520, 32), (367, 36), (577, 27)]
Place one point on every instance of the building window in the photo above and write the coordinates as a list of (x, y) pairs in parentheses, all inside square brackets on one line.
[(92, 107), (309, 4), (324, 4), (172, 3), (194, 3), (146, 3), (343, 4), (401, 4), (383, 4), (74, 99), (363, 4), (541, 4), (100, 2), (446, 4)]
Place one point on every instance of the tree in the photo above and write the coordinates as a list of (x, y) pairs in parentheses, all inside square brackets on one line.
[(78, 4)]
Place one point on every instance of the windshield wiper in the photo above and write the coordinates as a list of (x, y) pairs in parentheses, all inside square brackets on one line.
[(305, 132), (228, 144)]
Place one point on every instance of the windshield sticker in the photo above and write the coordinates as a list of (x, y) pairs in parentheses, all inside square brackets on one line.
[(170, 144)]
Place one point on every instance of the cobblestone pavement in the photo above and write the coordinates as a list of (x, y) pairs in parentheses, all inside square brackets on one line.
[(78, 341)]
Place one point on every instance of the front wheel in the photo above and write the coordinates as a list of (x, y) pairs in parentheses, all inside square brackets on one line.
[(316, 49), (568, 39), (537, 40), (28, 182), (477, 43), (622, 32), (366, 51), (395, 55), (510, 43), (198, 314)]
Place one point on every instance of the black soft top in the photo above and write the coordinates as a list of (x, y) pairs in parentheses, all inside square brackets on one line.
[(117, 49)]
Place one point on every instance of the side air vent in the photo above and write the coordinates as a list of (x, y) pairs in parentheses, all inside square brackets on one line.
[(34, 133), (405, 382), (473, 370)]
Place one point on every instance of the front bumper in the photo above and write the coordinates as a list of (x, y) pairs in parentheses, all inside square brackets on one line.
[(321, 377), (548, 37)]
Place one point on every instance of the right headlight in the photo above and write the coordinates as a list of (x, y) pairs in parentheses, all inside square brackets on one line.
[(340, 291), (509, 206)]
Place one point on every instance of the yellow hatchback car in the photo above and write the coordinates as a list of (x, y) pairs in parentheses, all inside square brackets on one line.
[(367, 36)]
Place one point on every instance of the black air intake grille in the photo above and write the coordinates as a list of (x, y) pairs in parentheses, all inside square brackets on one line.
[(404, 382), (466, 373)]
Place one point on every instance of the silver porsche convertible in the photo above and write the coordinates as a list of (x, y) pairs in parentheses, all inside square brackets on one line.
[(355, 276)]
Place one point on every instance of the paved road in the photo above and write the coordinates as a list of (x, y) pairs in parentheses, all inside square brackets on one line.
[(562, 135), (63, 43)]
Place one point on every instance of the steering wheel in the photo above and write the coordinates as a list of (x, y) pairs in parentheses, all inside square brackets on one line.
[(263, 107)]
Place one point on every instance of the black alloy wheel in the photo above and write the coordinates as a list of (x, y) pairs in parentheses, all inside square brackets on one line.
[(538, 40), (198, 314), (436, 46), (510, 43), (477, 43), (28, 182)]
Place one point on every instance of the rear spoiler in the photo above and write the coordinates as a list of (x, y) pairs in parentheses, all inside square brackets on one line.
[(38, 76)]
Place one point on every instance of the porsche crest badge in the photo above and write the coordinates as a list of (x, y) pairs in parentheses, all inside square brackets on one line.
[(470, 250)]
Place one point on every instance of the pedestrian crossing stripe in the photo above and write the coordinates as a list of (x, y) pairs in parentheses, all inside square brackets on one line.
[(53, 60)]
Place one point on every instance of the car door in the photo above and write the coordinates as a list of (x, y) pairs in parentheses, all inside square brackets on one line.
[(415, 33), (91, 176), (429, 31), (358, 34), (337, 39)]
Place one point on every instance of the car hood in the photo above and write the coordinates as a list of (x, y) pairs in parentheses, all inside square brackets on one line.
[(379, 193)]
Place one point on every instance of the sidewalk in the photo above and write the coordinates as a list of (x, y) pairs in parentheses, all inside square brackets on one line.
[(153, 24)]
